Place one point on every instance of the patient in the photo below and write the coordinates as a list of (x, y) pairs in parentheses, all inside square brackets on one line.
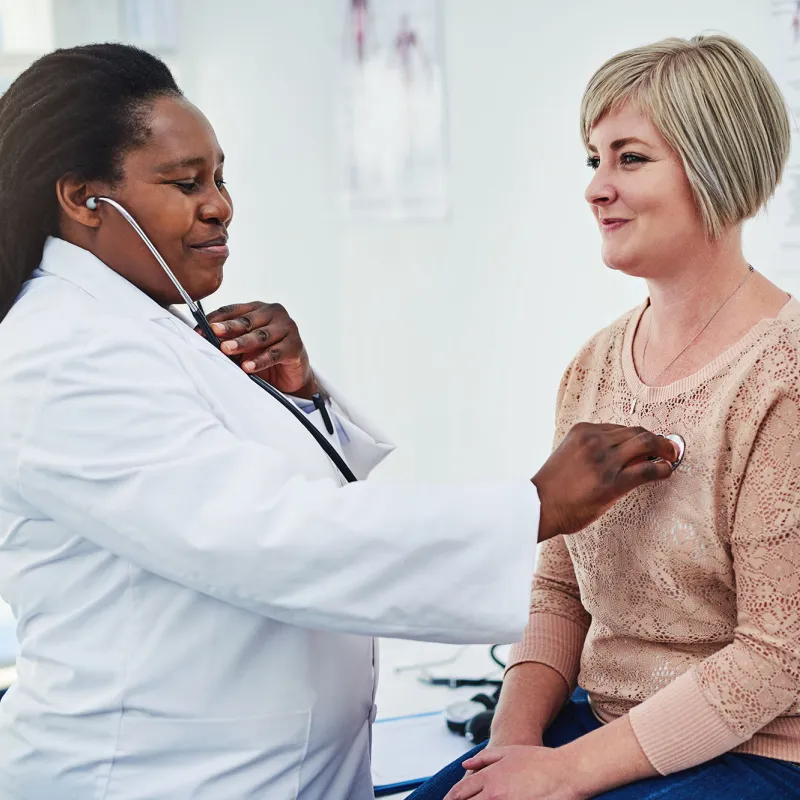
[(679, 611)]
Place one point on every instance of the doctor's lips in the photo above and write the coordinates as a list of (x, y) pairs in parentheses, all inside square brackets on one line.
[(612, 223), (217, 247)]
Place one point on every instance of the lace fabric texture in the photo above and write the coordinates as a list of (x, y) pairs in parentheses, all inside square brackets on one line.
[(681, 605)]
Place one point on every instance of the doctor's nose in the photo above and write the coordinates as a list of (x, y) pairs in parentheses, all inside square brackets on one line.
[(217, 209)]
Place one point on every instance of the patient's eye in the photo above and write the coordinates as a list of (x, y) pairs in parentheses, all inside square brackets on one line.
[(633, 158)]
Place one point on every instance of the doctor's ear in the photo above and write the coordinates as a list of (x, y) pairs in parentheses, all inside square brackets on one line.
[(74, 198)]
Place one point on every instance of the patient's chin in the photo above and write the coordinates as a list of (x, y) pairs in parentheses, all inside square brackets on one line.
[(627, 263)]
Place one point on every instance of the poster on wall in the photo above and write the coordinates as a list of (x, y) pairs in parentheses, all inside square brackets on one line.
[(391, 110)]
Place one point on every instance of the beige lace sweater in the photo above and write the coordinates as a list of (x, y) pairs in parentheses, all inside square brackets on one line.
[(681, 606)]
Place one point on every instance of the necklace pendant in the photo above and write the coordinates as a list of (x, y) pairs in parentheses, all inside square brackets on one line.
[(633, 405)]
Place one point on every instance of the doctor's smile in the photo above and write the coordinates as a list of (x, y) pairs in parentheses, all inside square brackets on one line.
[(215, 248)]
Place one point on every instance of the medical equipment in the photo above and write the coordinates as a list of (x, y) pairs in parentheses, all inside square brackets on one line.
[(205, 326), (472, 718), (680, 443)]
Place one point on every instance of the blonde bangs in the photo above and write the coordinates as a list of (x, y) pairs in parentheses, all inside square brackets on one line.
[(716, 105)]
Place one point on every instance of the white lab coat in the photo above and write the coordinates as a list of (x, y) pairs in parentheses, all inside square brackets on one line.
[(195, 590)]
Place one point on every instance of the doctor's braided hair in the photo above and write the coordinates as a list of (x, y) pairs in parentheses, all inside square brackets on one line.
[(76, 110)]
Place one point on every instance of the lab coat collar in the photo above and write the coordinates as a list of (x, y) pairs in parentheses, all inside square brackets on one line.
[(85, 270)]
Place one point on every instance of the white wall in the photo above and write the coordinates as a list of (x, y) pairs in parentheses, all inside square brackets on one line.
[(454, 334), (260, 71)]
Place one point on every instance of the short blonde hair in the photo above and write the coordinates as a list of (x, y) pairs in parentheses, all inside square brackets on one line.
[(716, 105)]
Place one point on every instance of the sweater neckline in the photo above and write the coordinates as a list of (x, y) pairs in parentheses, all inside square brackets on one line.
[(659, 394)]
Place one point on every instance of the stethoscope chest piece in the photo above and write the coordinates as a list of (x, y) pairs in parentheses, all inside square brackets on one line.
[(680, 443)]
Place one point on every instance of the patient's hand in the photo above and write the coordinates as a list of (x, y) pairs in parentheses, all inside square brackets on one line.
[(592, 468), (518, 773), (502, 739)]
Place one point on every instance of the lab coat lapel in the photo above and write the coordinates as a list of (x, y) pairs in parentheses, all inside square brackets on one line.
[(80, 267)]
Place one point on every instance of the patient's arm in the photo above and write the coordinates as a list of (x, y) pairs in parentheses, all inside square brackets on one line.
[(608, 757), (532, 696), (543, 668)]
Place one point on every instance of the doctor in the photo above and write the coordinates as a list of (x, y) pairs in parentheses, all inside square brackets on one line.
[(195, 590)]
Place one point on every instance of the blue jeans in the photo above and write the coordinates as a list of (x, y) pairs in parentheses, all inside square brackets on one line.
[(732, 776)]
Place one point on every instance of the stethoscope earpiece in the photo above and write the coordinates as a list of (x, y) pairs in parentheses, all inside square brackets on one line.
[(91, 203)]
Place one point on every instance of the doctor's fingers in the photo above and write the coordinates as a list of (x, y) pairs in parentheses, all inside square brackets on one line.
[(265, 337), (224, 313), (279, 354), (642, 445), (236, 320), (640, 473)]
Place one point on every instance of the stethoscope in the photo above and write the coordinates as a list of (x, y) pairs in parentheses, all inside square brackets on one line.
[(680, 443), (205, 326)]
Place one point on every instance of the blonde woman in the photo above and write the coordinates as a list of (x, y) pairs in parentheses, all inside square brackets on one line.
[(684, 625)]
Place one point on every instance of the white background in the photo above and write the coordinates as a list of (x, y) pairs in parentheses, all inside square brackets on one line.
[(452, 334)]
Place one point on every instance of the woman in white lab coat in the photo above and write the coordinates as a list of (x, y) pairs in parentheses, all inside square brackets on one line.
[(195, 590)]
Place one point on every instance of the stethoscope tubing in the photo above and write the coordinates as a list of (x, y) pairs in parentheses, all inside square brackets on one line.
[(205, 326)]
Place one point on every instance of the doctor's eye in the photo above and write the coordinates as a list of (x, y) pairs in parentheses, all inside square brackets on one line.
[(220, 183), (186, 186), (593, 162)]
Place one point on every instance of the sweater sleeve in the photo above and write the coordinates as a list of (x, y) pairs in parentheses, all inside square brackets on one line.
[(728, 697), (558, 623)]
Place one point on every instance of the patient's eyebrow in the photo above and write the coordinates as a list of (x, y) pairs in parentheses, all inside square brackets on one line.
[(618, 144)]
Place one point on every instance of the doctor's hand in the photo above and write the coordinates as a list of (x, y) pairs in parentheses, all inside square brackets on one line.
[(264, 339), (593, 467), (518, 773)]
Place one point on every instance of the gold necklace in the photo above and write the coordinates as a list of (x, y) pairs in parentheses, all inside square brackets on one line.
[(691, 342)]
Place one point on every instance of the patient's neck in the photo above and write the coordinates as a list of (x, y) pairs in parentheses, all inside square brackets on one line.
[(684, 298)]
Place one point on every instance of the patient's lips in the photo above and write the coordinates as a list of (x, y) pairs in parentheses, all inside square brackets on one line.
[(611, 224)]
